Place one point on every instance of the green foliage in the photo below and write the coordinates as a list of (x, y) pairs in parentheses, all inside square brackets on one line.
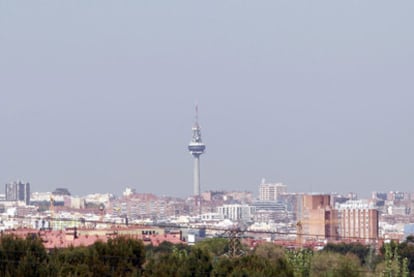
[(335, 265), (404, 270), (121, 256), (251, 265), (270, 251), (361, 251), (300, 261), (197, 263), (393, 265), (164, 247), (165, 261), (406, 251), (214, 246), (179, 261), (22, 257), (124, 256)]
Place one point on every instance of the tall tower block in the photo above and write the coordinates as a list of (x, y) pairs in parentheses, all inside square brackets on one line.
[(196, 148)]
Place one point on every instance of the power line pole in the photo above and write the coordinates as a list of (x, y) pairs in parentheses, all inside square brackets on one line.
[(235, 248)]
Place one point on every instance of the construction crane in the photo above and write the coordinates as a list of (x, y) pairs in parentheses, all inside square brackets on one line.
[(316, 228), (299, 233), (52, 207), (101, 211), (52, 211)]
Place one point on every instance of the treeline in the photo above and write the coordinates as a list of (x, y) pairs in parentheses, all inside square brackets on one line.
[(124, 256)]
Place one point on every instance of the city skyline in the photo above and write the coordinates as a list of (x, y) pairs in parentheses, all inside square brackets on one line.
[(96, 97)]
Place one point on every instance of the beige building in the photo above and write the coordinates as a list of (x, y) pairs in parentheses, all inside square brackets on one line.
[(316, 219)]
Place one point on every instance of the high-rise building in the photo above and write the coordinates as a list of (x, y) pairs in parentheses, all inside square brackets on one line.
[(196, 148), (316, 220), (357, 219), (271, 191), (18, 191), (379, 195)]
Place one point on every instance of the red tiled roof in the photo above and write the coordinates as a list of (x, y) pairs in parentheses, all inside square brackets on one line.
[(85, 237)]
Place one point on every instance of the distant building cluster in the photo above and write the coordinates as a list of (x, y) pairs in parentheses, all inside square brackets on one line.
[(298, 219)]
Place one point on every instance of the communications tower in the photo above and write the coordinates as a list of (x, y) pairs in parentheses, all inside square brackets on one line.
[(196, 148)]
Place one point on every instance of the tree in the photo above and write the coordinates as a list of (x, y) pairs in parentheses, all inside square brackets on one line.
[(300, 262), (167, 259), (270, 251), (197, 263), (22, 257), (332, 264), (120, 256), (406, 251), (72, 261), (393, 265), (361, 251), (251, 265), (214, 246), (179, 261), (163, 265)]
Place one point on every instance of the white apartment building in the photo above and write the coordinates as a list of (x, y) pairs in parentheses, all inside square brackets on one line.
[(271, 191), (236, 212)]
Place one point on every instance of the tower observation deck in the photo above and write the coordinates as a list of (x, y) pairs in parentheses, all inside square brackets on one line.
[(196, 148)]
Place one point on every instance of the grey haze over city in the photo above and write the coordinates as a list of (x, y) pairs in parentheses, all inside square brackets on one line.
[(99, 95)]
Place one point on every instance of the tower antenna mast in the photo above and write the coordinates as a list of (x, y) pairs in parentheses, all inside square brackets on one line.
[(196, 114)]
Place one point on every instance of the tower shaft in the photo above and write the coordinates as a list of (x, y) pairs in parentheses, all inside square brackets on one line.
[(196, 175)]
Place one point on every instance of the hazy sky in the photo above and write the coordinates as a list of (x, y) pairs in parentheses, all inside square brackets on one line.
[(99, 95)]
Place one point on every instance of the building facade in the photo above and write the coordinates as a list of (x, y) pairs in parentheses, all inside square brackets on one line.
[(271, 191), (18, 191), (236, 212), (357, 220), (316, 220)]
